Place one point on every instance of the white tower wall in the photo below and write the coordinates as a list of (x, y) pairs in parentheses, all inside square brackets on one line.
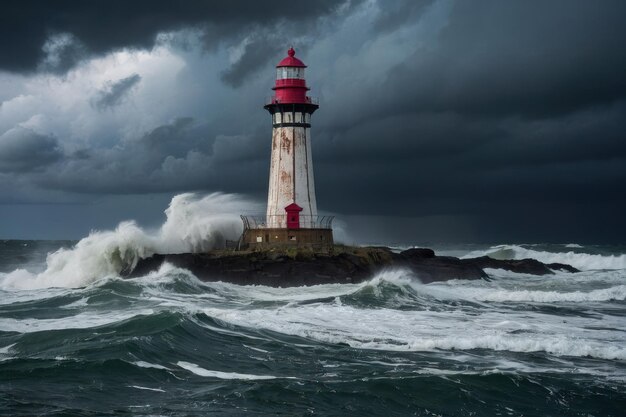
[(291, 170)]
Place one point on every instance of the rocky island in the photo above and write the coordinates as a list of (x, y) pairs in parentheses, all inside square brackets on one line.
[(292, 267)]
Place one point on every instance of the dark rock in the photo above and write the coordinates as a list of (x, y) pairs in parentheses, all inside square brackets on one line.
[(419, 253), (562, 267), (438, 268), (522, 266), (346, 265)]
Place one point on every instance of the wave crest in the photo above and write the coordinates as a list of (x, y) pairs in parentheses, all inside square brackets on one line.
[(582, 261), (193, 224)]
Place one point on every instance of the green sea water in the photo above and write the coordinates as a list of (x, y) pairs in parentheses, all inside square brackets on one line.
[(167, 344)]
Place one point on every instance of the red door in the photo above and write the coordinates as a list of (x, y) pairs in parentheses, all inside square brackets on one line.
[(293, 216)]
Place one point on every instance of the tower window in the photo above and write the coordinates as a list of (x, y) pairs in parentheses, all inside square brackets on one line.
[(289, 72)]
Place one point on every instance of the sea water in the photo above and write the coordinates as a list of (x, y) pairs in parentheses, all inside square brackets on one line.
[(78, 340)]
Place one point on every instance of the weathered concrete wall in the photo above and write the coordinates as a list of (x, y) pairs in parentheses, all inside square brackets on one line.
[(321, 239)]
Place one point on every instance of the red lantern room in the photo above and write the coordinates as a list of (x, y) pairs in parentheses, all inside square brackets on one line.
[(290, 84)]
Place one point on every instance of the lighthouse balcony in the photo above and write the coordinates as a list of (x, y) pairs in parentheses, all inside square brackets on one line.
[(282, 222), (277, 100)]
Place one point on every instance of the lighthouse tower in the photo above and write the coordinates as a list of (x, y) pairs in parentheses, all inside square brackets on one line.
[(291, 168), (291, 217)]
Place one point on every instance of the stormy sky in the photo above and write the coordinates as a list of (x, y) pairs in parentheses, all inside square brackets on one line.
[(440, 120)]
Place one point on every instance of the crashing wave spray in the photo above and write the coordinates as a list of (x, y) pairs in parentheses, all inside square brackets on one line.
[(193, 224)]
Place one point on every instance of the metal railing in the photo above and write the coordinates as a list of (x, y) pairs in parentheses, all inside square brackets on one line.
[(280, 221)]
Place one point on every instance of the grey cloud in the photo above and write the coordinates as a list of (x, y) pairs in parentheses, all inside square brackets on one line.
[(101, 27), (173, 157), (62, 52), (268, 43), (115, 92), (168, 135), (23, 150)]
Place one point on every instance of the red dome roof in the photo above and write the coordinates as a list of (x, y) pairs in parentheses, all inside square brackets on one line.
[(291, 60)]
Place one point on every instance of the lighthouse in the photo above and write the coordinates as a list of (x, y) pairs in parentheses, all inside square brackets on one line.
[(291, 217), (291, 167)]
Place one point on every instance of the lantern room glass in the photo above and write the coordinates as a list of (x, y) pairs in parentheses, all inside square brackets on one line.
[(289, 72)]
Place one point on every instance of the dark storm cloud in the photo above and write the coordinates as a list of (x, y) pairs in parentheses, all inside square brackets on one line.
[(507, 118), (22, 150), (256, 54), (114, 92), (75, 28), (433, 164), (400, 12), (528, 58), (533, 85)]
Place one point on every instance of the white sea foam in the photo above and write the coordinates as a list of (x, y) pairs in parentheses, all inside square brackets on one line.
[(428, 331), (143, 364), (265, 293), (5, 350), (78, 304), (79, 321), (617, 293), (192, 367), (5, 353), (10, 296), (257, 349), (481, 291), (146, 388), (574, 281), (398, 277), (519, 368), (449, 328), (193, 224), (574, 246), (582, 261), (559, 346)]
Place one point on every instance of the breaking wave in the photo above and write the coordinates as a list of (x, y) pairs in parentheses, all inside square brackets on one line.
[(334, 314), (391, 312), (193, 224), (582, 261), (616, 293)]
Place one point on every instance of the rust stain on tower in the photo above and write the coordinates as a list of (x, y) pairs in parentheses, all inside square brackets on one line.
[(285, 142)]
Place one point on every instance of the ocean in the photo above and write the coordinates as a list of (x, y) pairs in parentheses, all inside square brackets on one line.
[(78, 340)]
